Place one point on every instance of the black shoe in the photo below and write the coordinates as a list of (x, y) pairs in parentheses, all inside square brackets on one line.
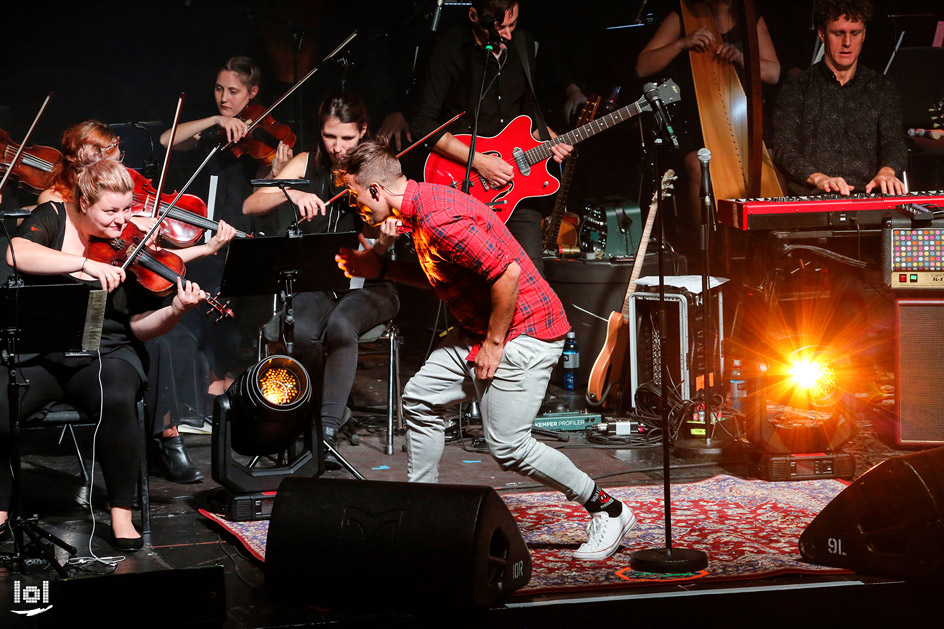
[(173, 457), (330, 436), (127, 544)]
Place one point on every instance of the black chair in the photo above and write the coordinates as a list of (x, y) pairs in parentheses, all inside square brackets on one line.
[(65, 418)]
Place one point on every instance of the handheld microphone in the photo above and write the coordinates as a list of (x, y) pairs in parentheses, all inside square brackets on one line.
[(652, 95), (16, 213), (266, 183), (704, 156)]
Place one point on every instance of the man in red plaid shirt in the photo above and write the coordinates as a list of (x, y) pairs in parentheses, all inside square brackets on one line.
[(509, 335)]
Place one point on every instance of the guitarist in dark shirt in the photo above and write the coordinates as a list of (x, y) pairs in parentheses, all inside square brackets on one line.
[(451, 84)]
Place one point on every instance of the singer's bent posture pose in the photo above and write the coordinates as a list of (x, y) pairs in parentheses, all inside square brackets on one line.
[(509, 332)]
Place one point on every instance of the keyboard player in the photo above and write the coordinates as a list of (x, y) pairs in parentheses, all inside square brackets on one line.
[(837, 125)]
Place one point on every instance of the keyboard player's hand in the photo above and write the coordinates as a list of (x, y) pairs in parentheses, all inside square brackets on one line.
[(887, 182), (830, 184)]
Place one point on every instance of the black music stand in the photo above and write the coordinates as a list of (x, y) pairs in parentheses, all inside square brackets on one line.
[(285, 266), (31, 325)]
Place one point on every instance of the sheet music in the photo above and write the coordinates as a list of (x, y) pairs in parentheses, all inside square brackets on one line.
[(688, 283), (94, 320)]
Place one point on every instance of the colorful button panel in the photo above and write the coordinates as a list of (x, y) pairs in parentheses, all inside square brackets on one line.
[(918, 250)]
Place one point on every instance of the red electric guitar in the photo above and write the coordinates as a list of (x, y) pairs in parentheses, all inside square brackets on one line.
[(528, 156)]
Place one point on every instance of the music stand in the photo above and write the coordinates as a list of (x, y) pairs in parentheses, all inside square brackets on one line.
[(284, 266), (41, 319)]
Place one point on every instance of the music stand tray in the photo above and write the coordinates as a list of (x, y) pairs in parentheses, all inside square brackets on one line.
[(254, 266), (53, 317)]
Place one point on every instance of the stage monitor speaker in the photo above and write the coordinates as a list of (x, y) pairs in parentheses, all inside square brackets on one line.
[(919, 379), (887, 523), (344, 543)]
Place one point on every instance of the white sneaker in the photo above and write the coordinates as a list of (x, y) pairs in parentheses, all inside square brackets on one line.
[(605, 534)]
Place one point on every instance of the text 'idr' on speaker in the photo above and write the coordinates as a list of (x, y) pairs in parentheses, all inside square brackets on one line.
[(919, 380), (886, 523), (341, 543)]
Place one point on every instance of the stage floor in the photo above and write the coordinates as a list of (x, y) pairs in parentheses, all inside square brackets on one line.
[(182, 538)]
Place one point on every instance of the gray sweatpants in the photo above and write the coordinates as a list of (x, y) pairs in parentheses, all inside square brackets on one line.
[(508, 403)]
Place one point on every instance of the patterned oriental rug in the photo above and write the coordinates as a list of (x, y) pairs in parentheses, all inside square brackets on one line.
[(748, 528)]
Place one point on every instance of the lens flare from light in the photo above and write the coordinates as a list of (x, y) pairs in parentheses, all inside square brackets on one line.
[(279, 386), (816, 377)]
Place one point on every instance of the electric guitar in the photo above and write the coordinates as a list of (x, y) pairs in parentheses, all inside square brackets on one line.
[(552, 233), (528, 156), (608, 367)]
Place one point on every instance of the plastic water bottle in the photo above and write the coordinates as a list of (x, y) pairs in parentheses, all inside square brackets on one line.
[(737, 385), (571, 361)]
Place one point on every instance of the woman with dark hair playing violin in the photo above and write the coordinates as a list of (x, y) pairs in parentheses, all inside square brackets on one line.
[(178, 373), (327, 325), (50, 247)]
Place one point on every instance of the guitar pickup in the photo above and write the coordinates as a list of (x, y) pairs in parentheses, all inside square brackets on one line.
[(503, 202)]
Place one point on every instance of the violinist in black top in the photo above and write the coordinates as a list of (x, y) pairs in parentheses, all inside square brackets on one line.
[(235, 88), (328, 325), (50, 247)]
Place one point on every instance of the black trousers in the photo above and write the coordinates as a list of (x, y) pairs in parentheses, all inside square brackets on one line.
[(326, 333), (117, 447)]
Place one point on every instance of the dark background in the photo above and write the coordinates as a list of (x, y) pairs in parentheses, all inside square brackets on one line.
[(128, 62)]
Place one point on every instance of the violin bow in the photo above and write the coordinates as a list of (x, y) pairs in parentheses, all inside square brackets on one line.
[(160, 188), (25, 142), (407, 149), (221, 147)]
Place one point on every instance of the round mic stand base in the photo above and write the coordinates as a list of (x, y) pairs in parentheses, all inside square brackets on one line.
[(710, 448), (669, 560)]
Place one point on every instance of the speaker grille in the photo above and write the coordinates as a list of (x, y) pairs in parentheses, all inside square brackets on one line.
[(919, 394)]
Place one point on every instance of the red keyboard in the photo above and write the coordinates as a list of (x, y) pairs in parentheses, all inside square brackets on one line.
[(820, 212)]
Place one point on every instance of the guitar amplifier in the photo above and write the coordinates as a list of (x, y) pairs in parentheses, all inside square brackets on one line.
[(611, 229), (913, 253), (684, 350)]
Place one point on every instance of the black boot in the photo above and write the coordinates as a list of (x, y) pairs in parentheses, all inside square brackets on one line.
[(173, 457)]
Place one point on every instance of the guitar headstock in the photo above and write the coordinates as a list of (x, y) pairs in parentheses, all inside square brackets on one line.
[(665, 187), (668, 182), (669, 92)]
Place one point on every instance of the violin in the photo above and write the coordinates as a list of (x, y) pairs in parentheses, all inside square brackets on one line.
[(186, 221), (263, 138), (34, 168), (156, 270)]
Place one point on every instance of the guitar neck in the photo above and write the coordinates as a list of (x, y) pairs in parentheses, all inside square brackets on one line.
[(542, 151)]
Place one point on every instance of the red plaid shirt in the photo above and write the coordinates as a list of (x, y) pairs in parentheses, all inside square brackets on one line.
[(463, 248)]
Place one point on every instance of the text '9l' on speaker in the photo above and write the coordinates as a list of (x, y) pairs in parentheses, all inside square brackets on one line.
[(919, 379), (887, 523), (341, 543)]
